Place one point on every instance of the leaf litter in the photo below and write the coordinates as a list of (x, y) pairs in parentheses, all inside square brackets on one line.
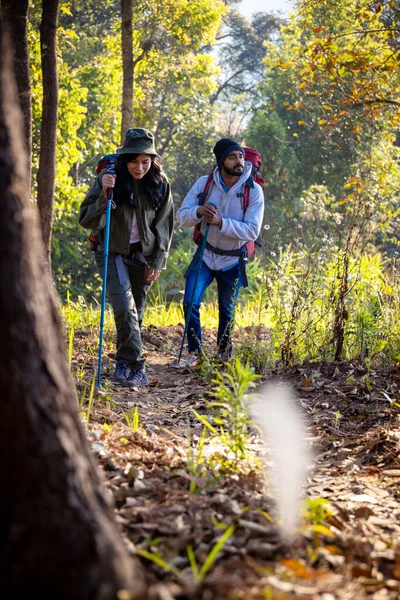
[(348, 551)]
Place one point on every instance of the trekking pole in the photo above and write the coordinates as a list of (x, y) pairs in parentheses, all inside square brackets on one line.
[(104, 289), (189, 313)]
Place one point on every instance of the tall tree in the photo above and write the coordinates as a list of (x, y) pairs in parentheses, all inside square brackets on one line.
[(16, 14), (241, 51), (127, 66), (48, 131), (58, 534)]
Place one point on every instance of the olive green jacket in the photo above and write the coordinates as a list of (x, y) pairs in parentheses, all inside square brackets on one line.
[(155, 227)]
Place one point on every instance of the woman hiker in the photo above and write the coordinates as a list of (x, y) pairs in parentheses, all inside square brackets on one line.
[(141, 228)]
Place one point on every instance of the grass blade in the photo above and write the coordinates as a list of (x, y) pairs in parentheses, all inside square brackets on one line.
[(212, 556)]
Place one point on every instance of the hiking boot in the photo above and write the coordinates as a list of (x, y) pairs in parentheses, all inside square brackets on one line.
[(121, 372), (136, 378), (191, 360)]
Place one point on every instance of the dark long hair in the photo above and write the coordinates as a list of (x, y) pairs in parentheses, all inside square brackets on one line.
[(125, 190)]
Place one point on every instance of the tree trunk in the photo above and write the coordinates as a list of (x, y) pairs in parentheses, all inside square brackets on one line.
[(127, 66), (48, 130), (58, 535), (16, 14)]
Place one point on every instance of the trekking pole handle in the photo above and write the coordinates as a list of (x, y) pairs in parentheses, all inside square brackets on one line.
[(212, 204)]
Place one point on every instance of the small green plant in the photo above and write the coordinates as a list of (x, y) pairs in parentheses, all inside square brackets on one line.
[(258, 354), (86, 413), (195, 458), (132, 418), (207, 365), (393, 405), (367, 381), (231, 422), (106, 393), (316, 511), (156, 558), (80, 372), (232, 397), (82, 399), (70, 346), (336, 419), (200, 573)]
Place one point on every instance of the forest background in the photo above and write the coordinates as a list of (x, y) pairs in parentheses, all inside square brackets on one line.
[(317, 93), (318, 96)]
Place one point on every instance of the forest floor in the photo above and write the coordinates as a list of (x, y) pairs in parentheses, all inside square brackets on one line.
[(351, 551)]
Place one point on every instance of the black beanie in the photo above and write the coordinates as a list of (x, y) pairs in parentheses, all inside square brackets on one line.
[(224, 147)]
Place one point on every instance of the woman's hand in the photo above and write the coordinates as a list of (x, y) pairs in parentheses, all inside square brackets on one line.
[(150, 274), (108, 182)]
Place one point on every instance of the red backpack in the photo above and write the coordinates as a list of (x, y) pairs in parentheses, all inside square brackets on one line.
[(255, 158)]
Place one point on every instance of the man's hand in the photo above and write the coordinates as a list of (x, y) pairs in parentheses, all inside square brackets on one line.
[(209, 212), (150, 274), (108, 182)]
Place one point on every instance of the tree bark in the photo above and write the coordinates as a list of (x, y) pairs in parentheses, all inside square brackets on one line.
[(127, 66), (48, 130), (58, 535), (16, 14)]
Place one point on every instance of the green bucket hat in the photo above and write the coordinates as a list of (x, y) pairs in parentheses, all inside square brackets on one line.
[(138, 141)]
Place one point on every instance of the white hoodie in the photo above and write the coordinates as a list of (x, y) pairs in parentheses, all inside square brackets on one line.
[(238, 227)]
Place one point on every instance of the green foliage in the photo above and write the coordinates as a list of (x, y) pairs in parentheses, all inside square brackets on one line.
[(174, 79), (323, 114), (241, 50), (296, 297), (132, 418), (200, 573), (303, 294), (258, 354), (269, 134), (156, 558), (85, 414), (350, 52), (316, 510), (82, 316), (231, 422), (328, 109), (196, 461)]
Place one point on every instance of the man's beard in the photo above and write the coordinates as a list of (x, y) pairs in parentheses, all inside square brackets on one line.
[(237, 170)]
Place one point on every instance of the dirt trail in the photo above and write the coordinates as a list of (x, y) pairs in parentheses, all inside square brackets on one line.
[(354, 430)]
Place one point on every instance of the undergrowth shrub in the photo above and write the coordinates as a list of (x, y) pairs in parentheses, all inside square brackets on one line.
[(294, 303), (229, 425)]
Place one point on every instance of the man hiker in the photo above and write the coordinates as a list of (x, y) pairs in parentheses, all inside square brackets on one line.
[(231, 226)]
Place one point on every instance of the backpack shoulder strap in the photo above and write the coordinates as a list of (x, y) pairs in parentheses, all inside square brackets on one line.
[(247, 186), (203, 195), (246, 199)]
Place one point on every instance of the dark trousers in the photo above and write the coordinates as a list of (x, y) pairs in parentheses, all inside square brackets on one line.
[(128, 301), (229, 283)]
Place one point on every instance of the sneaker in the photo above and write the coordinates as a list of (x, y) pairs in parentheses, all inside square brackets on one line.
[(136, 378), (191, 360), (121, 372)]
